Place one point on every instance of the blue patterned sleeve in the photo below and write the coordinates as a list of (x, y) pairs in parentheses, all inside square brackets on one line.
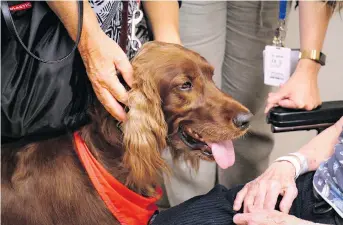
[(328, 179)]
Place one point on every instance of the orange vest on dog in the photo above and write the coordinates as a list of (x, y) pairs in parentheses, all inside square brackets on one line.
[(128, 207)]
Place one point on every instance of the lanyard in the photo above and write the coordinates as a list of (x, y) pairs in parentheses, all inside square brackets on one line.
[(282, 9), (278, 39)]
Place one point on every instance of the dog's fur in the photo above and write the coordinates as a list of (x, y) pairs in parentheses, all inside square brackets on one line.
[(43, 183)]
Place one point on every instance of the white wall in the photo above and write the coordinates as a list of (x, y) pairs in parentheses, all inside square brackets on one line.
[(330, 77)]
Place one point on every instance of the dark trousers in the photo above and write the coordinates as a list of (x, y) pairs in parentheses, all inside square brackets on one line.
[(215, 207)]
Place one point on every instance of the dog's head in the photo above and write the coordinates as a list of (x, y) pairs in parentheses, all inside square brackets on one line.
[(174, 101)]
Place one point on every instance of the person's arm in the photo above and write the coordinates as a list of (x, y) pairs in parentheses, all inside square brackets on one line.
[(321, 147), (100, 54), (314, 17), (67, 11), (262, 193), (164, 19), (301, 90)]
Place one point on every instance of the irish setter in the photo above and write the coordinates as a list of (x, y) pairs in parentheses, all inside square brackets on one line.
[(173, 102)]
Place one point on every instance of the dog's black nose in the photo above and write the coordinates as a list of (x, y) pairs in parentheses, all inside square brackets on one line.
[(242, 120)]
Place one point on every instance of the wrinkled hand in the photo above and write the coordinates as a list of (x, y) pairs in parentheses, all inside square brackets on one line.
[(268, 217), (262, 193), (300, 91), (102, 58)]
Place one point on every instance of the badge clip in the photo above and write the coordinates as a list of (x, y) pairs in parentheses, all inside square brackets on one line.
[(135, 42)]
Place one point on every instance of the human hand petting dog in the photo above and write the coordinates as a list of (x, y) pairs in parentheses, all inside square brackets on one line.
[(102, 56), (262, 193), (104, 59), (268, 217), (300, 91)]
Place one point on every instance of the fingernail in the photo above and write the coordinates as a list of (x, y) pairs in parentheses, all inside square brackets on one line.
[(236, 218)]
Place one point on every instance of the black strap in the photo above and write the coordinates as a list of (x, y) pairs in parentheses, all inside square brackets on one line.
[(124, 27), (11, 27)]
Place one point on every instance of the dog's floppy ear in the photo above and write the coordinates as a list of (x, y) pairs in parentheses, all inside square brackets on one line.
[(145, 133)]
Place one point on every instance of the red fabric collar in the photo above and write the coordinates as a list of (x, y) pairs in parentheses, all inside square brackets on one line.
[(128, 207)]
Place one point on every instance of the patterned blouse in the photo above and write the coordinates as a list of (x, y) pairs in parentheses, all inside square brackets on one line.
[(328, 179), (109, 15)]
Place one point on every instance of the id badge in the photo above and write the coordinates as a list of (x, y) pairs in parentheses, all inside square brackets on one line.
[(279, 63)]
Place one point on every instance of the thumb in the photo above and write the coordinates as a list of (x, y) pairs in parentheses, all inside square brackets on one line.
[(254, 218), (242, 219)]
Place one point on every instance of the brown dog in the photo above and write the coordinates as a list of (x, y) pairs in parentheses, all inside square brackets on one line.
[(173, 101)]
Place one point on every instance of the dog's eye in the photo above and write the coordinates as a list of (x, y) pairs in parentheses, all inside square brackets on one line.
[(186, 86)]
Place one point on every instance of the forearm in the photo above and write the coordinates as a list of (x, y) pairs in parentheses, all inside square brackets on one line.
[(67, 11), (321, 147), (314, 19), (163, 17)]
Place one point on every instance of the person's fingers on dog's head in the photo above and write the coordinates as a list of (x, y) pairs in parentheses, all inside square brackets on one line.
[(290, 194), (116, 89), (272, 195), (111, 104), (123, 64), (237, 205)]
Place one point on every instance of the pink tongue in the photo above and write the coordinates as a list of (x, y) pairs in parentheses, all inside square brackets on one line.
[(223, 153)]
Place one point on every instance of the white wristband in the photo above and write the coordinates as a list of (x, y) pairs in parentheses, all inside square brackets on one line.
[(293, 161), (303, 162)]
